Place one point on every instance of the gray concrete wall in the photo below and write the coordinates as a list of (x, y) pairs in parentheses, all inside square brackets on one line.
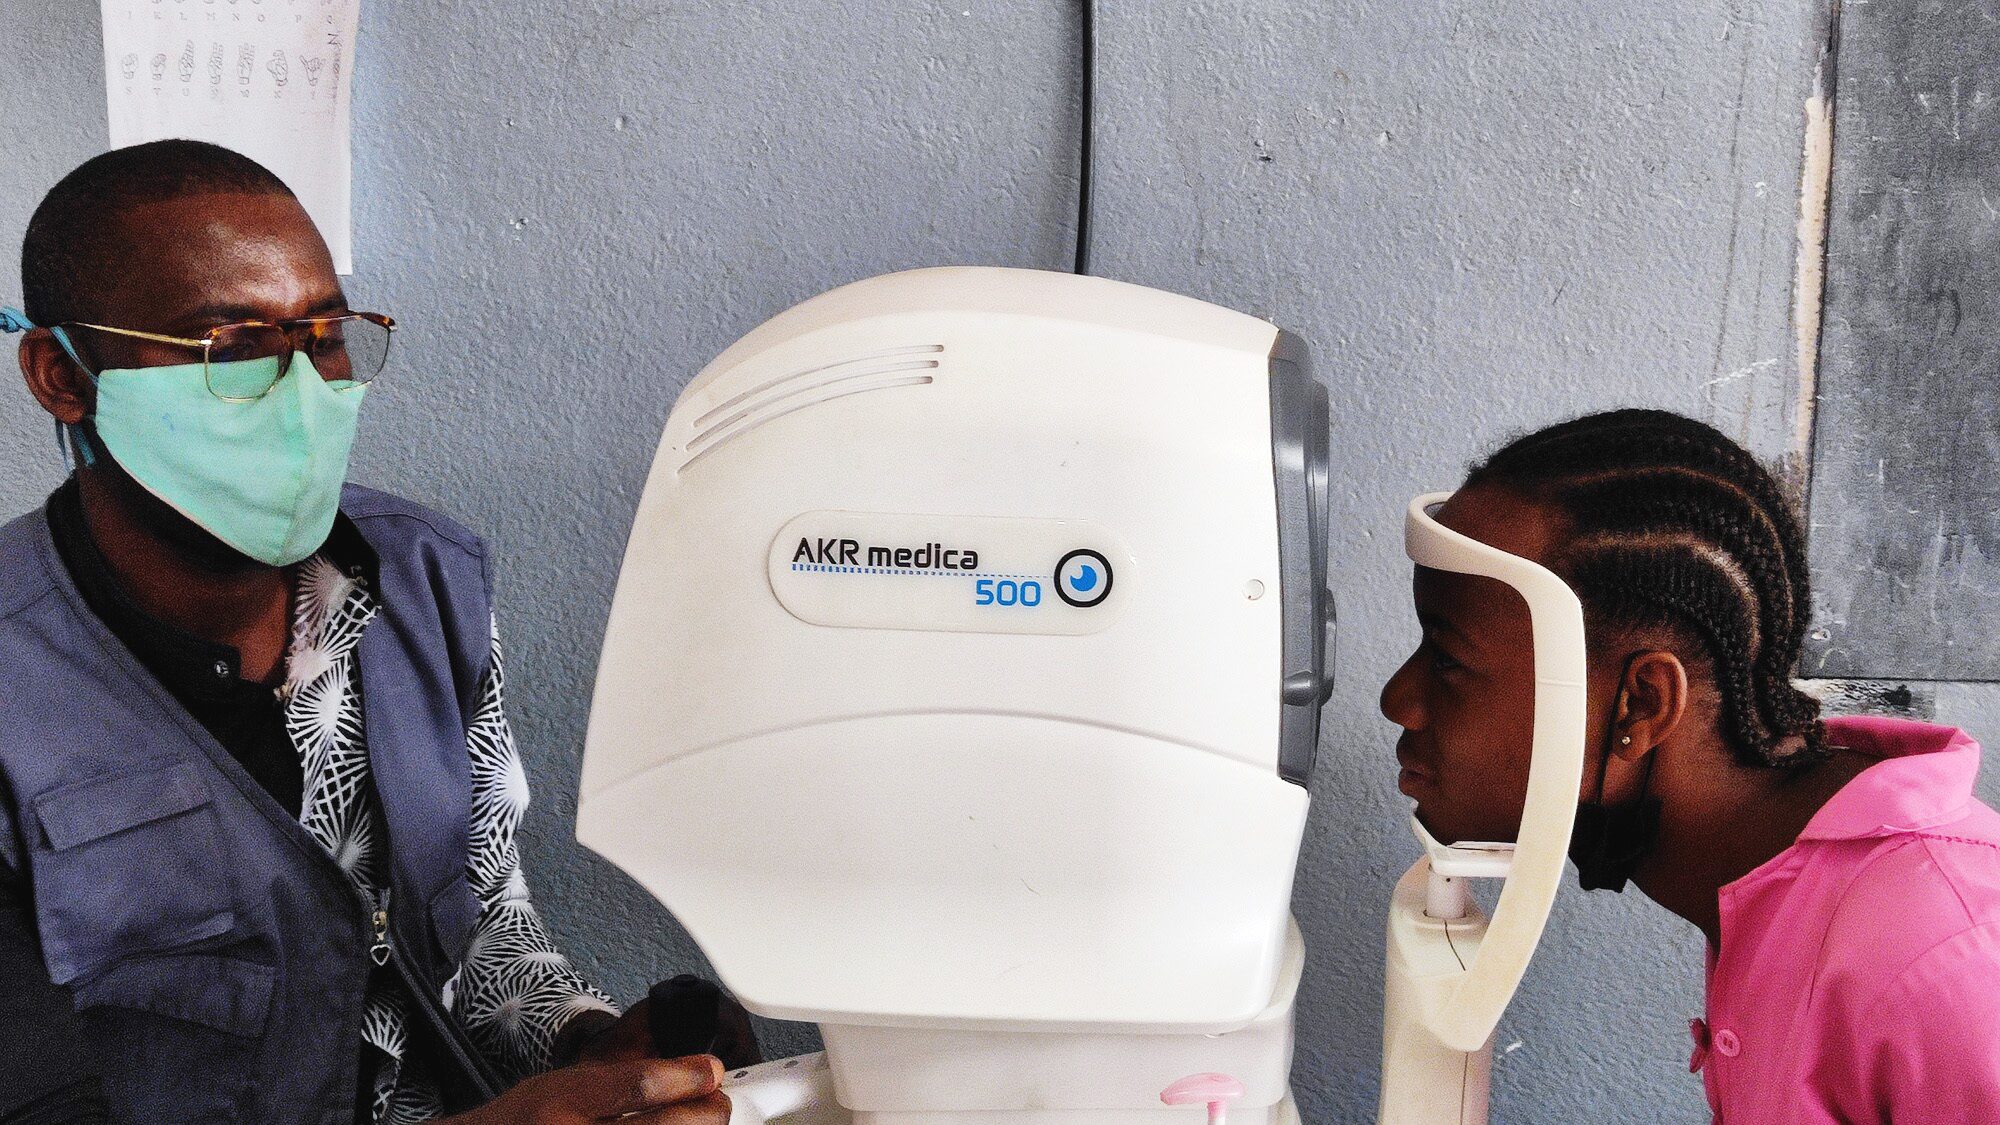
[(1483, 217)]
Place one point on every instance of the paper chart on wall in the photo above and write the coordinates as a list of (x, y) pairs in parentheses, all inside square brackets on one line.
[(268, 78)]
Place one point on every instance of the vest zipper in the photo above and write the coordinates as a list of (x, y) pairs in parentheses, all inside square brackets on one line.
[(383, 951), (379, 951)]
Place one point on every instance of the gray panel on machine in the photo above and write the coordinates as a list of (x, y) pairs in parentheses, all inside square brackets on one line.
[(1300, 430)]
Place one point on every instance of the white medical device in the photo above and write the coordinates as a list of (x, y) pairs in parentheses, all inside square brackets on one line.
[(960, 690), (1451, 971)]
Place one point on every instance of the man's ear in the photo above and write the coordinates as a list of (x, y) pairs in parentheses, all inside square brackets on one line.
[(1652, 699), (54, 378)]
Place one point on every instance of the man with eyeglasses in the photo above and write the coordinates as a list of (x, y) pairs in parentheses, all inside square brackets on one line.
[(258, 794)]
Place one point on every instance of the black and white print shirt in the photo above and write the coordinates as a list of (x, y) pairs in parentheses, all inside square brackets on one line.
[(514, 991)]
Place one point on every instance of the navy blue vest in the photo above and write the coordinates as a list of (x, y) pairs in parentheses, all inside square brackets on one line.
[(216, 953)]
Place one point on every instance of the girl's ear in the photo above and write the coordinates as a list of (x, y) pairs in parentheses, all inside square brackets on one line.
[(1652, 699)]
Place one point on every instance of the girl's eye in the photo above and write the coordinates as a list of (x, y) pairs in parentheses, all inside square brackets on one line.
[(1441, 660)]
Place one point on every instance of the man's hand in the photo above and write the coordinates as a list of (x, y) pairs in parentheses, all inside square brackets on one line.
[(602, 1039), (639, 1091)]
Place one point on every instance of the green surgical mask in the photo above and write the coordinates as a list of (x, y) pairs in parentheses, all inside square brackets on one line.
[(261, 475)]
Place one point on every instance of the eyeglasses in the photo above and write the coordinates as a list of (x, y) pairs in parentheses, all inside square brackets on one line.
[(242, 362)]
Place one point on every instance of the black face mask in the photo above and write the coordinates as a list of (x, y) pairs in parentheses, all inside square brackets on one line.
[(1609, 841)]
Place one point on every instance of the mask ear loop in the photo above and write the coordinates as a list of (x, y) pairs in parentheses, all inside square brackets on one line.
[(1645, 771), (1610, 840), (1604, 762), (14, 320), (78, 434), (1611, 740)]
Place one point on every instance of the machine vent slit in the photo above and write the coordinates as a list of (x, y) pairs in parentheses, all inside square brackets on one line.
[(811, 392), (712, 441), (703, 423)]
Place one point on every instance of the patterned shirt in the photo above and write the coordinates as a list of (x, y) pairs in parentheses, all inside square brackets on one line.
[(514, 991)]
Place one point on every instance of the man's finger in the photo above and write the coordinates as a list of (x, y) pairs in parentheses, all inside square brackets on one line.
[(711, 1110), (618, 1088), (627, 1038)]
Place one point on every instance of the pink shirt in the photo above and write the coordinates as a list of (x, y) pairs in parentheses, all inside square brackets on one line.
[(1859, 975)]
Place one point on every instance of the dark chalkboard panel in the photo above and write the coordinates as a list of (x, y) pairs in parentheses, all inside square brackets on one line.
[(1905, 507)]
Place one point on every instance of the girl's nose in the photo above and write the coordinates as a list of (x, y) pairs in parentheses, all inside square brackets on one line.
[(1402, 701)]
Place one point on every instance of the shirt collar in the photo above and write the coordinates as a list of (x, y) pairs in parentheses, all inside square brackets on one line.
[(349, 550), (1923, 779)]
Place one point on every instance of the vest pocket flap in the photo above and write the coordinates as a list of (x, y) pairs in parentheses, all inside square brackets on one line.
[(132, 864), (228, 994), (454, 915), (93, 809)]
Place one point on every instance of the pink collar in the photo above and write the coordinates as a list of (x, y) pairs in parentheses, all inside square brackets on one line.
[(1923, 779)]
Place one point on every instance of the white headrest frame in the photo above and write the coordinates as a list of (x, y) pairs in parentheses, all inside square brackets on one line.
[(1467, 1018)]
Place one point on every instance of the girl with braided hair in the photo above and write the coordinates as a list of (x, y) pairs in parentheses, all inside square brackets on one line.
[(1846, 880)]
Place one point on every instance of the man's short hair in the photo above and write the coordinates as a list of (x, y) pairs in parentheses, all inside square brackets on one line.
[(72, 237)]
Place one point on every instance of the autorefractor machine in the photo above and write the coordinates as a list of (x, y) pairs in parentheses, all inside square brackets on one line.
[(960, 693)]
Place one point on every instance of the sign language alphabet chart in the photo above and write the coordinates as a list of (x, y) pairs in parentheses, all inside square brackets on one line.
[(271, 79)]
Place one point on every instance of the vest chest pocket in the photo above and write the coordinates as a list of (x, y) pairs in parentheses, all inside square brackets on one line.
[(125, 864)]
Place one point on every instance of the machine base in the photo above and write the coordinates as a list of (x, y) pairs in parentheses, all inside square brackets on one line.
[(1285, 1113), (799, 1091)]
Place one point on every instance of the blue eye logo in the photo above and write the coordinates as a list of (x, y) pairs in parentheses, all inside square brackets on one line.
[(1083, 578)]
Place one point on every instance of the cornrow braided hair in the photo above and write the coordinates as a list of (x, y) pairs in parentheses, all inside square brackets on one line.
[(1672, 525)]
